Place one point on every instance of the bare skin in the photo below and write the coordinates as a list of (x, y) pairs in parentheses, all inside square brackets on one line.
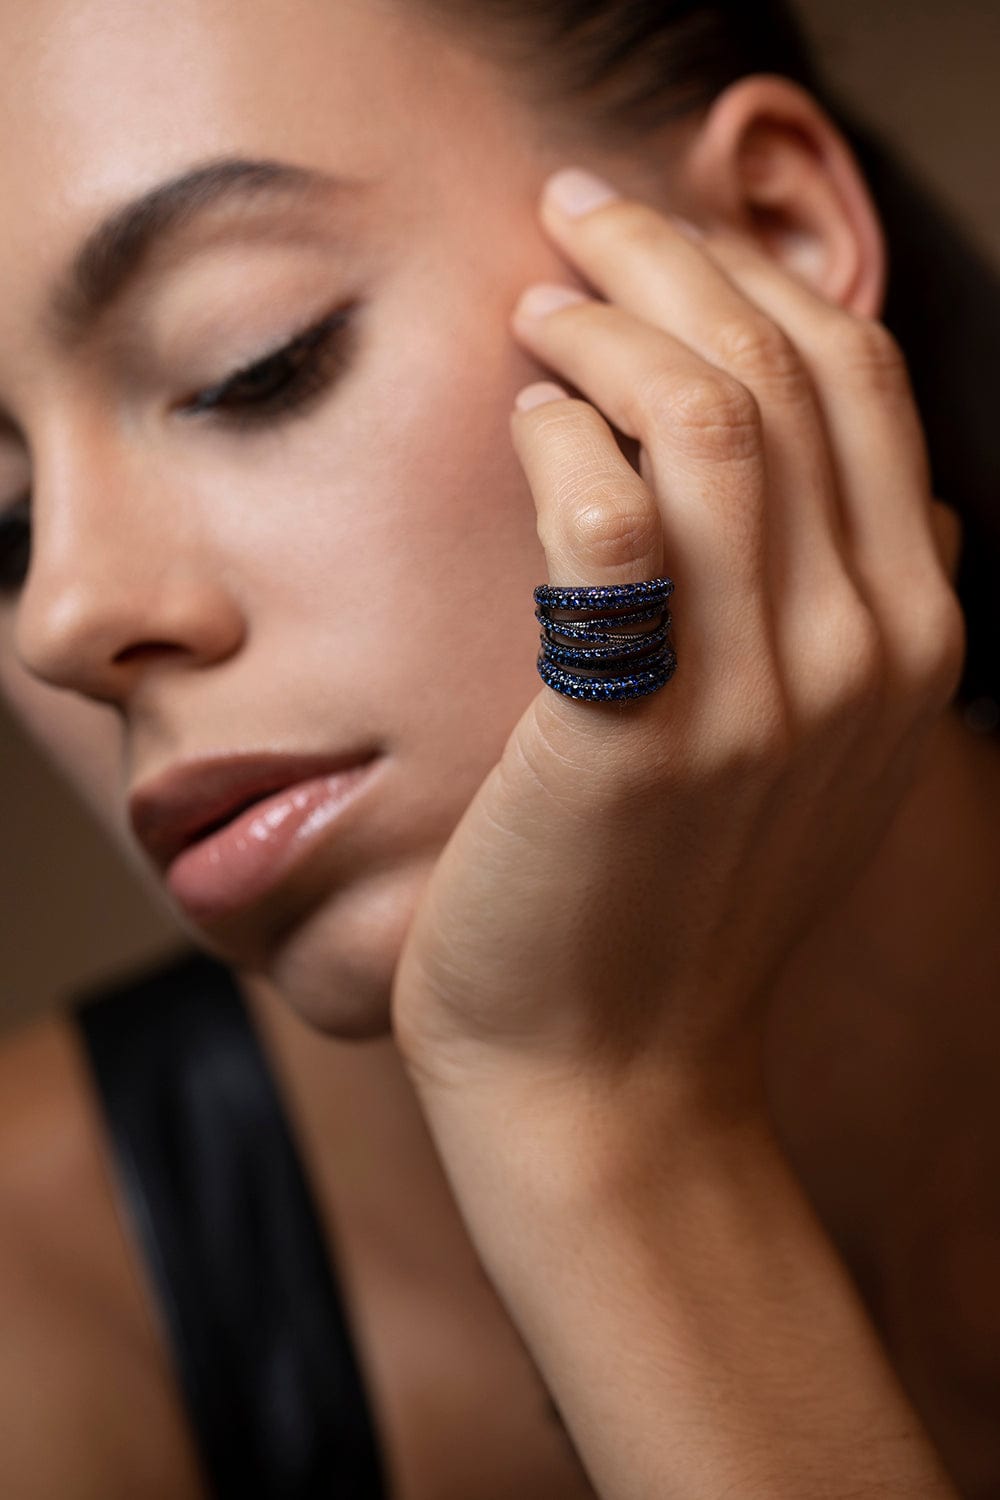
[(883, 1055), (900, 1177), (924, 941), (78, 1313), (90, 1401), (89, 1405)]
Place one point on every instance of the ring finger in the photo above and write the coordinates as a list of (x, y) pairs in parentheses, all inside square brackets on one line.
[(711, 450)]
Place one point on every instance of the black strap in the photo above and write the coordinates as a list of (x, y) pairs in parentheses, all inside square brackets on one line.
[(224, 1218)]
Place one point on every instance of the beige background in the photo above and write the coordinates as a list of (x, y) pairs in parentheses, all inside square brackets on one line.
[(924, 70)]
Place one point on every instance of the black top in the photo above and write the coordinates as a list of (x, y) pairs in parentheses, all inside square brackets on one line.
[(222, 1213)]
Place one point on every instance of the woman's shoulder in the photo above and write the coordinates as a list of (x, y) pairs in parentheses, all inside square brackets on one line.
[(81, 1353)]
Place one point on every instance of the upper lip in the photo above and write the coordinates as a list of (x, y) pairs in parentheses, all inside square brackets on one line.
[(170, 811)]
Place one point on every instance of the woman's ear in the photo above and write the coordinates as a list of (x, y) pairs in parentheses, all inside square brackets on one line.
[(767, 160)]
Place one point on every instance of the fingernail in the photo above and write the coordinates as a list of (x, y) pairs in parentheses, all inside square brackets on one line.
[(538, 394), (538, 301), (576, 192)]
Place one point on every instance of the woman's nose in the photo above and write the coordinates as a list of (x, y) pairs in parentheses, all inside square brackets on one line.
[(115, 589)]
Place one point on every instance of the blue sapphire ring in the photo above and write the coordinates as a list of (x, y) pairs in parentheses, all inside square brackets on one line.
[(597, 653)]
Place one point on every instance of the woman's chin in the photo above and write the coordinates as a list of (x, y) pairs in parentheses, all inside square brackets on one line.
[(335, 966)]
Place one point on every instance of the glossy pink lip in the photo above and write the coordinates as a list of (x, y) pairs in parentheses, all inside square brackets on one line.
[(198, 821)]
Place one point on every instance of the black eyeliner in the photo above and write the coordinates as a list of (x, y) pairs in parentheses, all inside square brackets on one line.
[(314, 345)]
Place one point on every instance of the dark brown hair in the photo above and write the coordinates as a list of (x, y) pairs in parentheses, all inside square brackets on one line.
[(622, 68), (619, 69)]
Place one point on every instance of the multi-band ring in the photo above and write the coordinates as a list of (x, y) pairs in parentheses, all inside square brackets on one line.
[(615, 661)]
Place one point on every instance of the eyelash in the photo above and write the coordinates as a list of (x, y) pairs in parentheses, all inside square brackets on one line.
[(306, 366), (319, 355)]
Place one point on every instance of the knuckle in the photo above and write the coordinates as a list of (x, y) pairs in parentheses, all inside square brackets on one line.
[(761, 353), (749, 730), (953, 640), (738, 740), (762, 737), (753, 747), (855, 662), (714, 416), (863, 670), (939, 645), (871, 353), (610, 530)]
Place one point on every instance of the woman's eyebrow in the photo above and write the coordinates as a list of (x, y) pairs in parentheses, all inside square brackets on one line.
[(110, 256)]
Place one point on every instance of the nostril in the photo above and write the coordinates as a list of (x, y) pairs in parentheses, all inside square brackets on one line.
[(99, 631), (145, 649)]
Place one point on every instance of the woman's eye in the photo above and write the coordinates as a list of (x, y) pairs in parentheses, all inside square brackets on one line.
[(15, 546), (283, 382)]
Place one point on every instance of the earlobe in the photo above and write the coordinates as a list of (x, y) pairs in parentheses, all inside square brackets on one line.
[(768, 160)]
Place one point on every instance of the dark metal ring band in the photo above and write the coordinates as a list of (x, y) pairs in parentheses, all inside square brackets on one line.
[(605, 596), (583, 671), (628, 648), (597, 630), (634, 685), (554, 631)]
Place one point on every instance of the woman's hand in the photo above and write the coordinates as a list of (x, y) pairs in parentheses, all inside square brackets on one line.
[(630, 878), (580, 994)]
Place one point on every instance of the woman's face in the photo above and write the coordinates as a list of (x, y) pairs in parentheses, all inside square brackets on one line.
[(351, 569)]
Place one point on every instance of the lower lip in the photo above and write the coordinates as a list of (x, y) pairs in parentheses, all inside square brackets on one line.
[(244, 861)]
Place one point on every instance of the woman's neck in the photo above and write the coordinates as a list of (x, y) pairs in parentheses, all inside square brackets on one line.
[(366, 1146)]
